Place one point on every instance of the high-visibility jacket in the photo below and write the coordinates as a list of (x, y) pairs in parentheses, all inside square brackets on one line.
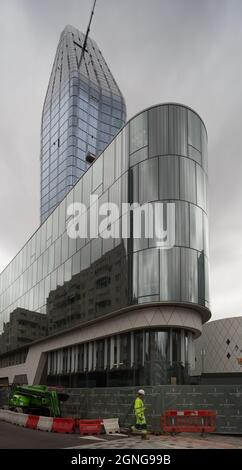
[(139, 409)]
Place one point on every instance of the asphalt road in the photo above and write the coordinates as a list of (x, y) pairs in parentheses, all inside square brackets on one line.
[(16, 437)]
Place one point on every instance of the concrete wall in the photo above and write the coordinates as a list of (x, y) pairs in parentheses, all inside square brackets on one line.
[(118, 402)]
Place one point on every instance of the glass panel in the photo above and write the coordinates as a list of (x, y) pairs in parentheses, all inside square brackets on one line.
[(78, 191), (201, 279), (133, 260), (194, 154), (125, 350), (96, 249), (138, 348), (118, 150), (201, 187), (177, 130), (196, 228), (76, 263), (85, 257), (170, 274), (189, 278), (62, 217), (115, 193), (187, 180), (55, 224), (64, 247), (132, 194), (67, 268), (205, 234), (182, 223), (138, 132), (148, 181), (51, 257), (87, 182), (125, 149), (169, 177), (176, 346), (194, 130), (109, 160), (97, 173), (158, 131), (206, 266), (139, 156), (148, 272), (204, 148), (57, 252)]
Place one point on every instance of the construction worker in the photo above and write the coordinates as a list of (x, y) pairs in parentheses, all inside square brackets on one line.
[(139, 410)]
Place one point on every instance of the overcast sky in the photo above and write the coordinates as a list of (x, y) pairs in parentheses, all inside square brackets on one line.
[(188, 51)]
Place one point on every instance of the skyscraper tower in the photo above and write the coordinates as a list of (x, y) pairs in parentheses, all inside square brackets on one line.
[(83, 110)]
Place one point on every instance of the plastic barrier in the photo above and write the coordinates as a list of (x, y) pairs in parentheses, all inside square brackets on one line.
[(42, 423), (90, 426), (111, 425), (32, 422), (45, 423), (6, 415), (201, 421), (64, 425), (21, 419)]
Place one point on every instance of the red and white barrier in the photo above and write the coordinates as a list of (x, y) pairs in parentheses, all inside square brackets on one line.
[(42, 423)]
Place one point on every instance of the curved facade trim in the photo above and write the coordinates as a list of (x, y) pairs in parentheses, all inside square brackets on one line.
[(140, 337)]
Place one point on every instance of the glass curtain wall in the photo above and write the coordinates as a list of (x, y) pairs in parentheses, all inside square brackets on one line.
[(155, 157), (146, 356)]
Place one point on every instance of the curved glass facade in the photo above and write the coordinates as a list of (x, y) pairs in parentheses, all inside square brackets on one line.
[(150, 357), (160, 155)]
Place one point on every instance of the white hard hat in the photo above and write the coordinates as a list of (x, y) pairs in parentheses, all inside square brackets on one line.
[(141, 392)]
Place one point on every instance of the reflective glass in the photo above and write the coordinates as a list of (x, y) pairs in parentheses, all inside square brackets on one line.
[(139, 156), (148, 272), (187, 180), (85, 257), (138, 132), (109, 161), (204, 148), (76, 263), (189, 275), (170, 274), (201, 187), (158, 131), (148, 180), (169, 177), (64, 247), (194, 130), (182, 231), (196, 228), (177, 130), (201, 278), (87, 187), (96, 249), (97, 174)]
